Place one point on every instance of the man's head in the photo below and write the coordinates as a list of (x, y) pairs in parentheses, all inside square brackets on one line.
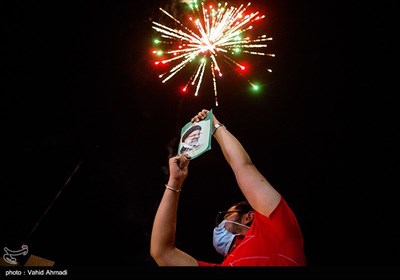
[(235, 221), (192, 135), (241, 213)]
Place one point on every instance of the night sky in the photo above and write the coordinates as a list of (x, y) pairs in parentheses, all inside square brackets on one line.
[(79, 92)]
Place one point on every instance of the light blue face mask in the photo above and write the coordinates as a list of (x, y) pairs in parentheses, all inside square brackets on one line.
[(222, 239)]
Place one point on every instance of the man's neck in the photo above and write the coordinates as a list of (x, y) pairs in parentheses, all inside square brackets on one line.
[(238, 239)]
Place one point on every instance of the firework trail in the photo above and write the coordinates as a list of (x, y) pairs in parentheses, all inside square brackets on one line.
[(208, 36)]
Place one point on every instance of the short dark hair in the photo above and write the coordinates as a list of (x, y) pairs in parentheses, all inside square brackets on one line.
[(190, 130), (243, 206)]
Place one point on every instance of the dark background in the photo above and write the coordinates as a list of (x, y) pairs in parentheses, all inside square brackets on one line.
[(79, 91)]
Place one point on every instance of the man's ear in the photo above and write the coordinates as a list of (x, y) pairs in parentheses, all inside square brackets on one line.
[(249, 218)]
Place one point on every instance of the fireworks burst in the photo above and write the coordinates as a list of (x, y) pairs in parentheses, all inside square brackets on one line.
[(208, 36)]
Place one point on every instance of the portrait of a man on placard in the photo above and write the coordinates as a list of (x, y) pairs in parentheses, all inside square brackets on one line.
[(196, 138)]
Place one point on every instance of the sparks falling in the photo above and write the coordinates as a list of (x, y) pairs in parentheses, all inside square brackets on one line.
[(209, 37)]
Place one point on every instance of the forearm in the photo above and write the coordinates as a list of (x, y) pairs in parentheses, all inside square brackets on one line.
[(257, 190), (162, 244), (164, 226), (232, 149)]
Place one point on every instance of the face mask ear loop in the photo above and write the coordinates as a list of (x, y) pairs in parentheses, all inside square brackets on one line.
[(239, 224)]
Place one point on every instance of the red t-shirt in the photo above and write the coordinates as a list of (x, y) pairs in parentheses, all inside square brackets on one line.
[(273, 241)]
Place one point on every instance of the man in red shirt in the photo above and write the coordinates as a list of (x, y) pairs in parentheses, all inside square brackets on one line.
[(261, 231)]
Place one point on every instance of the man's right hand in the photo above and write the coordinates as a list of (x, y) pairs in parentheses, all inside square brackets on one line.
[(178, 168)]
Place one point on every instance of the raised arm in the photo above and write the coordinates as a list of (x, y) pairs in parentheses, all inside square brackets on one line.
[(257, 190), (162, 244)]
